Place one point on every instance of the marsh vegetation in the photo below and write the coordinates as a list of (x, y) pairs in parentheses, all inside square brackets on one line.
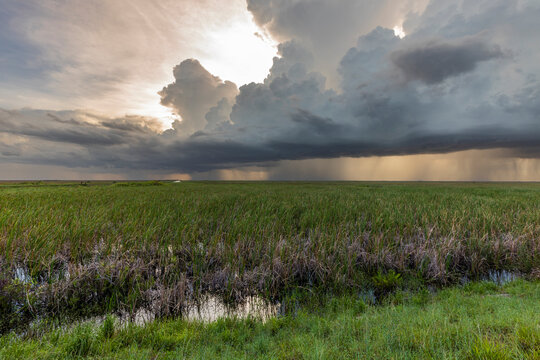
[(76, 251), (478, 321)]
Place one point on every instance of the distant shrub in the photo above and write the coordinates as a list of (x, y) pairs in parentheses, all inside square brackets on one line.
[(139, 183), (121, 184), (152, 183)]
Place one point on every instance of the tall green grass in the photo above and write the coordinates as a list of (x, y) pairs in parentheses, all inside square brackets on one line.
[(119, 243)]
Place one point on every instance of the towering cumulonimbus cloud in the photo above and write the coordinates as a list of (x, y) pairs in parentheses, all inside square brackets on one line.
[(328, 28), (194, 93), (465, 77)]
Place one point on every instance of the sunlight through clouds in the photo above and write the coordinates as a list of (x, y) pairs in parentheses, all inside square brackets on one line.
[(398, 31), (203, 87), (237, 53)]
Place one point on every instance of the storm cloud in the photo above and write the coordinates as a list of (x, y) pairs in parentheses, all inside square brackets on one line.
[(328, 28), (194, 92), (458, 81), (435, 61)]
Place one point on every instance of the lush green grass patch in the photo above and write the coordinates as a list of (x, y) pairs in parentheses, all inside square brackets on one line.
[(478, 321)]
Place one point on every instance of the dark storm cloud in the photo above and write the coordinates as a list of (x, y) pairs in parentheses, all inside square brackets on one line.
[(328, 27), (435, 61), (74, 127), (469, 95), (317, 124), (203, 155)]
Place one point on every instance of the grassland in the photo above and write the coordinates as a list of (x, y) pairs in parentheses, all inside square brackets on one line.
[(479, 321), (90, 250)]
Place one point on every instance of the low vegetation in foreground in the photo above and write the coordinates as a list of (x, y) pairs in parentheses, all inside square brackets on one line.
[(73, 251), (477, 321)]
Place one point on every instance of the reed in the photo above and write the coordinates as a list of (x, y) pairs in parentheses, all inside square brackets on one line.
[(89, 250)]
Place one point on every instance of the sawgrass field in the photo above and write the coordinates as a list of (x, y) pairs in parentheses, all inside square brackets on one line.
[(358, 270)]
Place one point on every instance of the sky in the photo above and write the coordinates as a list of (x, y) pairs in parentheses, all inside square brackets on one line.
[(270, 89)]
